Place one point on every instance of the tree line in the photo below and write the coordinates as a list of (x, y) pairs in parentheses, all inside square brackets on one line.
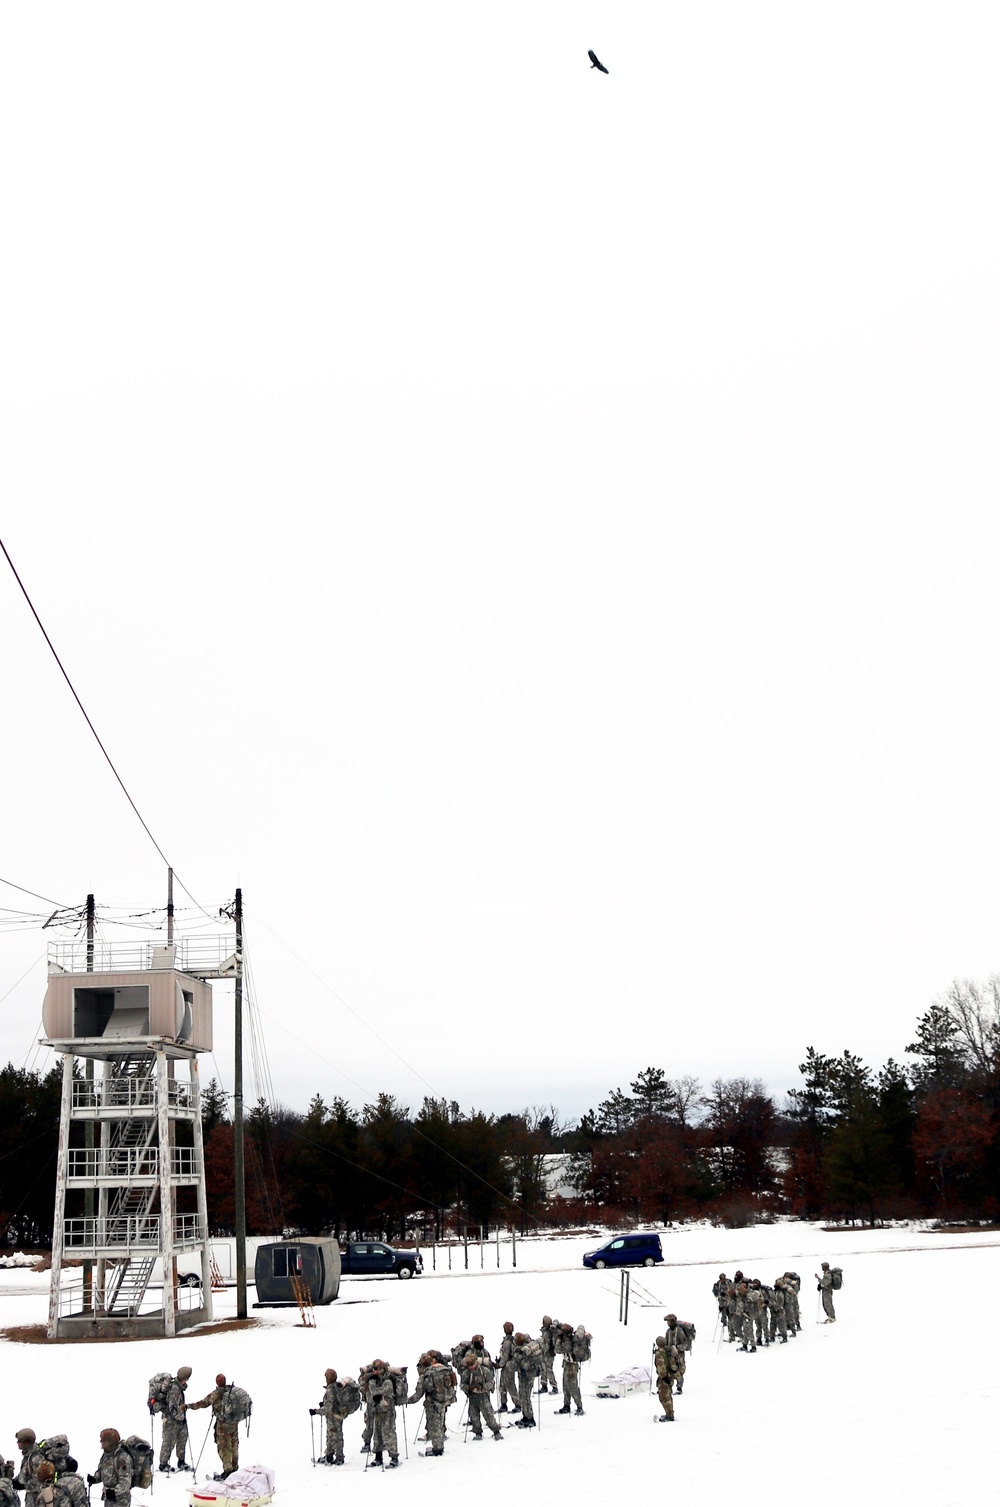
[(849, 1142)]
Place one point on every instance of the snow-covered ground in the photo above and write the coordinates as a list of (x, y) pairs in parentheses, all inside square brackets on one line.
[(896, 1402)]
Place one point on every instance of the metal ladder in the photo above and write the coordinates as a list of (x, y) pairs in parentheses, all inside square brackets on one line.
[(128, 1280), (127, 1285)]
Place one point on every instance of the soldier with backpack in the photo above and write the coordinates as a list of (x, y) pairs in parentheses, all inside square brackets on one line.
[(527, 1359), (677, 1339), (340, 1400), (829, 1283), (70, 1490), (570, 1371), (548, 1339), (776, 1303), (436, 1384), (382, 1397), (166, 1397), (508, 1373), (31, 1458), (793, 1283), (230, 1406), (8, 1491), (477, 1377), (114, 1470), (667, 1366)]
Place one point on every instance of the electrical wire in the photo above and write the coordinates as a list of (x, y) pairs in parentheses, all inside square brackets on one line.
[(93, 729), (9, 882)]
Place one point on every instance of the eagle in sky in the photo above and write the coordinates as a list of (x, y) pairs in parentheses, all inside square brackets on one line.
[(595, 61)]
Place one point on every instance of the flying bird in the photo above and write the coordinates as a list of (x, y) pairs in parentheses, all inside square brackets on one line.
[(595, 61)]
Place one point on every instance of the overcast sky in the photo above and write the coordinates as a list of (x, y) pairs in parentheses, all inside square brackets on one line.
[(536, 531)]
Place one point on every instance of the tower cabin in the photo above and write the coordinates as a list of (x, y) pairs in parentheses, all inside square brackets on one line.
[(129, 1022)]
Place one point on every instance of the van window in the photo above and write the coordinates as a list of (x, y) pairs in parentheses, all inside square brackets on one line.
[(616, 1245)]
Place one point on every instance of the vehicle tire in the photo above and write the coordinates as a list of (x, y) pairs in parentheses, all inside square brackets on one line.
[(405, 1271), (649, 1261), (600, 1265)]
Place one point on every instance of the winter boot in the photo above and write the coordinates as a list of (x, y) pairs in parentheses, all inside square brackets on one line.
[(563, 1410)]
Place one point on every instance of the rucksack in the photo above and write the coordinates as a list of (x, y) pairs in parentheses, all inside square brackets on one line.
[(236, 1406), (580, 1344), (689, 1332), (141, 1455), (837, 1277), (159, 1385), (529, 1358), (400, 1391), (348, 1396), (56, 1450), (443, 1382), (460, 1351)]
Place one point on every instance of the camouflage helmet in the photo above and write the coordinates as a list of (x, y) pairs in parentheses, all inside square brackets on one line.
[(477, 1339), (546, 1318), (25, 1436), (330, 1374), (519, 1338), (661, 1341), (110, 1438), (508, 1327), (825, 1265)]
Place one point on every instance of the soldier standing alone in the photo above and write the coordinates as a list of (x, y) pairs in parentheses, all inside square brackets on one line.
[(667, 1371), (825, 1289), (227, 1430)]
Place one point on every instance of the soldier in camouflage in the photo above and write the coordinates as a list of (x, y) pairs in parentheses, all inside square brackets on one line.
[(758, 1312), (677, 1340), (477, 1384), (548, 1339), (508, 1373), (382, 1396), (31, 1459), (436, 1385), (776, 1303), (825, 1290), (570, 1371), (226, 1434), (793, 1282), (114, 1470), (8, 1492), (45, 1493), (174, 1429), (527, 1365), (666, 1365), (330, 1409), (70, 1490)]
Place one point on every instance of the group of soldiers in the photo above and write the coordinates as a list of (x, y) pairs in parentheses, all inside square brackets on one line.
[(48, 1474), (522, 1362), (752, 1314)]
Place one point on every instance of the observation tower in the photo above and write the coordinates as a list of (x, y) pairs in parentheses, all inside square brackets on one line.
[(129, 1021)]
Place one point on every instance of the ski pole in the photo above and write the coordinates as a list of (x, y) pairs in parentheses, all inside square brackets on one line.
[(312, 1437), (406, 1447), (201, 1451)]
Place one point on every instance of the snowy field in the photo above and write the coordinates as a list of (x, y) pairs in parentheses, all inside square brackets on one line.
[(896, 1402)]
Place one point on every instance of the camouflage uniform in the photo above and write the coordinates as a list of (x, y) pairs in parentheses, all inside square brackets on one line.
[(758, 1312), (570, 1371), (740, 1325), (720, 1292), (826, 1292), (666, 1373), (8, 1495), (434, 1382), (365, 1376), (226, 1434), (31, 1459), (508, 1374), (548, 1339), (383, 1405), (477, 1384), (70, 1490), (776, 1303), (333, 1411), (792, 1284), (528, 1366), (114, 1471), (174, 1429), (677, 1340)]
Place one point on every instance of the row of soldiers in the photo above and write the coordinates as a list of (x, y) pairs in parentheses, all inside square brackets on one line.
[(522, 1363), (753, 1314), (49, 1475)]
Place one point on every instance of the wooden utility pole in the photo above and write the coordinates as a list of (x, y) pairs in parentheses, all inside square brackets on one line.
[(241, 1207), (170, 907)]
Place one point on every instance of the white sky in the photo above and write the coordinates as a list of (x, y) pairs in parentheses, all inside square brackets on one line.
[(537, 531)]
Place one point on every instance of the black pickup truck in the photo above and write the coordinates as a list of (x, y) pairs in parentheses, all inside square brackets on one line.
[(363, 1258)]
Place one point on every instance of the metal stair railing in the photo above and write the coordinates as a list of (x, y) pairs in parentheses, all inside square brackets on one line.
[(126, 1286)]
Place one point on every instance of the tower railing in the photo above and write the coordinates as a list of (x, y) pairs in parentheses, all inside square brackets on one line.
[(128, 1093)]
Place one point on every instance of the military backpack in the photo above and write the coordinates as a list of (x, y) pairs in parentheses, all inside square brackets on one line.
[(442, 1383), (55, 1449), (236, 1406), (580, 1344), (348, 1397), (141, 1455), (837, 1278), (159, 1385), (400, 1391), (528, 1358)]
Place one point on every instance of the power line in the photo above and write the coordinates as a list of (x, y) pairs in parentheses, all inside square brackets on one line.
[(93, 729), (10, 884)]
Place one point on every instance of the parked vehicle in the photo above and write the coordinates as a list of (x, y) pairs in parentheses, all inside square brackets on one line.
[(365, 1257), (626, 1250)]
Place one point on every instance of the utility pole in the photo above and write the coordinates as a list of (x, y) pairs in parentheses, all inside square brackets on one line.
[(170, 907), (241, 1207), (88, 1134)]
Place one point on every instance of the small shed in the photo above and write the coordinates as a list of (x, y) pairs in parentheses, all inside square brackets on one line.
[(313, 1258)]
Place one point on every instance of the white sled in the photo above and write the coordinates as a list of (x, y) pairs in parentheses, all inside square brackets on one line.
[(252, 1486), (635, 1379)]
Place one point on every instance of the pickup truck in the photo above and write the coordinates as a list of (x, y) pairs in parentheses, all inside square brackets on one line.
[(364, 1258)]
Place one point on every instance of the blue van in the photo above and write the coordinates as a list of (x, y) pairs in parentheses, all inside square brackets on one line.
[(626, 1250)]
